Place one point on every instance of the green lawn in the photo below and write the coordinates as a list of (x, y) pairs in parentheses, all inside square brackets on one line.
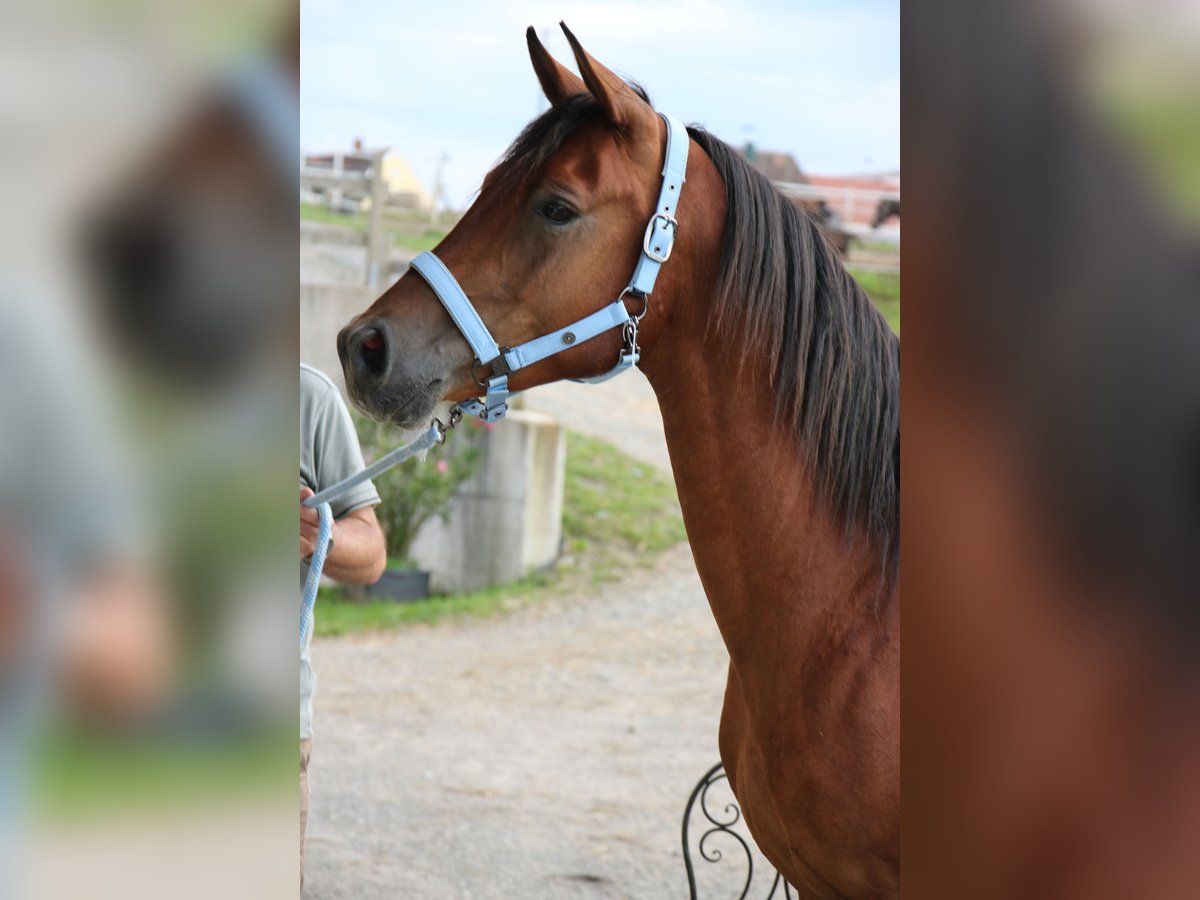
[(411, 234), (617, 513), (80, 773), (418, 241), (884, 290), (875, 246), (337, 615), (1146, 91), (313, 212)]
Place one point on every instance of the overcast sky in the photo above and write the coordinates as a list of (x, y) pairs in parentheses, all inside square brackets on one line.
[(817, 78)]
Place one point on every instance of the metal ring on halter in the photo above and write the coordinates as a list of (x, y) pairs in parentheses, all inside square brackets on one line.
[(474, 373), (637, 295), (444, 428), (499, 367)]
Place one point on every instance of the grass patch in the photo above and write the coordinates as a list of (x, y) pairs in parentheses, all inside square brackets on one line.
[(884, 290), (1165, 133), (617, 512), (80, 773), (409, 233), (418, 242), (876, 246), (337, 616), (313, 212)]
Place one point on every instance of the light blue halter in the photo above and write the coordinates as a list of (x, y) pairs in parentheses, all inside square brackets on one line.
[(657, 243)]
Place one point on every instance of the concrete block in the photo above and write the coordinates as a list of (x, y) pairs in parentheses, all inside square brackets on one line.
[(324, 309), (507, 519)]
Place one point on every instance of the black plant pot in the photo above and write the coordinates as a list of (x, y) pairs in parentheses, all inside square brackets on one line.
[(401, 585)]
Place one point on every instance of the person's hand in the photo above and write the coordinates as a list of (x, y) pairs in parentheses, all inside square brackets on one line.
[(309, 521)]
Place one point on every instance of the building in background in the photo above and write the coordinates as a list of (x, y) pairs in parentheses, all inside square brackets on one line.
[(341, 179), (856, 198), (846, 205)]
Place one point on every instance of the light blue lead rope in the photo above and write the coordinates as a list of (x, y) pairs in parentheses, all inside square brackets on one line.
[(320, 500), (315, 565)]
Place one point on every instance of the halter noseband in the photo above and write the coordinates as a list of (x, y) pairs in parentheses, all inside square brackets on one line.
[(656, 250)]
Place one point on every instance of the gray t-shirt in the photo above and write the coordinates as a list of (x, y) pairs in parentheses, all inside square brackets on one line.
[(329, 452)]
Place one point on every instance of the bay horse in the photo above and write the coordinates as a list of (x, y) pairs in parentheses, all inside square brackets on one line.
[(888, 207), (779, 389)]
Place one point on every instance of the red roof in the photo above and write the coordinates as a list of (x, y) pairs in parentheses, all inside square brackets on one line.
[(889, 183)]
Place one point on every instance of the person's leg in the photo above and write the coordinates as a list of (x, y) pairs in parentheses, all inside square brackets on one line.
[(305, 754)]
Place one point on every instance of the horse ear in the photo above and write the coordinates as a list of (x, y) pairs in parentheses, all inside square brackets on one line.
[(616, 98), (558, 82)]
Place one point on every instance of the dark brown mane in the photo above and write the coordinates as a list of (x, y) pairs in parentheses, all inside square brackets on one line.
[(834, 363)]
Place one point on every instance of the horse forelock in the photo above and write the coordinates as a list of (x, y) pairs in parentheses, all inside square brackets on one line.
[(527, 156)]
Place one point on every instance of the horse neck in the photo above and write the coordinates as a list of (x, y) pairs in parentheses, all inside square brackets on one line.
[(776, 563)]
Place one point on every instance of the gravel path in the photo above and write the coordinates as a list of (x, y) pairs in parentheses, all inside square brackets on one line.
[(545, 753)]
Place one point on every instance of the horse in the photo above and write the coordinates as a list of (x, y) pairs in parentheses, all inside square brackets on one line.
[(830, 223), (778, 383), (1051, 714), (888, 207)]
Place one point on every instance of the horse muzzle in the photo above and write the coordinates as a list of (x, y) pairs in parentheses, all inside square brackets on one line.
[(386, 381)]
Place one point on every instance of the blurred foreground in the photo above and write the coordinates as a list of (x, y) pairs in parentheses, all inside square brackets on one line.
[(147, 453), (1052, 451), (1052, 438)]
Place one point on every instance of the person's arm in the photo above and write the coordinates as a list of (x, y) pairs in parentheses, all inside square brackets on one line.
[(358, 553)]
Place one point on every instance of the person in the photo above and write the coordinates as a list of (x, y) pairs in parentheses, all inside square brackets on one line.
[(85, 634), (329, 452)]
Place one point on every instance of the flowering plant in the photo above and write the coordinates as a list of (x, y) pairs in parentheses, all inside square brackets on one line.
[(414, 492)]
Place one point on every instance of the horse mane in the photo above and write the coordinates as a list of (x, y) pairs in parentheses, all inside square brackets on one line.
[(834, 363)]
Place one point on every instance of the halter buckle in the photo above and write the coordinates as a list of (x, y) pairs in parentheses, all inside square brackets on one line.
[(657, 253)]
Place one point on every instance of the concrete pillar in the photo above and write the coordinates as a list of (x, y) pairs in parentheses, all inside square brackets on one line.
[(507, 520), (324, 309)]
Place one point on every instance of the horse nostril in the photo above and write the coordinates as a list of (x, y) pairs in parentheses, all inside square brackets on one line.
[(370, 348)]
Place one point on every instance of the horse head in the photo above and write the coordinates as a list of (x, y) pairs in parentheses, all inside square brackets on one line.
[(552, 237)]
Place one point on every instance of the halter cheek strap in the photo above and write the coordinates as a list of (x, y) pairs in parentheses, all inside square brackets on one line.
[(657, 243)]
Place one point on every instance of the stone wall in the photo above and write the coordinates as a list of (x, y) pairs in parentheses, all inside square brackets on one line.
[(324, 309)]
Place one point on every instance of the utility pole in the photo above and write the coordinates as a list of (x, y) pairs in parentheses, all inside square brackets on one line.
[(436, 196), (378, 253)]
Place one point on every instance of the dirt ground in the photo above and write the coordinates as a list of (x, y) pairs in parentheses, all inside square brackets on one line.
[(545, 753)]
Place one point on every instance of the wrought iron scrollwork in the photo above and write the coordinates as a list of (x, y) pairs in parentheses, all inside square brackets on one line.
[(720, 824)]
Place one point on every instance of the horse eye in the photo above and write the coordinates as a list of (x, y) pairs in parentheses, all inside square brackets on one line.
[(558, 213)]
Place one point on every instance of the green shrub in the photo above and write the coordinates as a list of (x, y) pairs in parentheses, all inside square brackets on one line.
[(415, 491)]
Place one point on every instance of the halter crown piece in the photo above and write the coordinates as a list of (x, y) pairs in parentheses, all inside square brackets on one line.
[(657, 243)]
